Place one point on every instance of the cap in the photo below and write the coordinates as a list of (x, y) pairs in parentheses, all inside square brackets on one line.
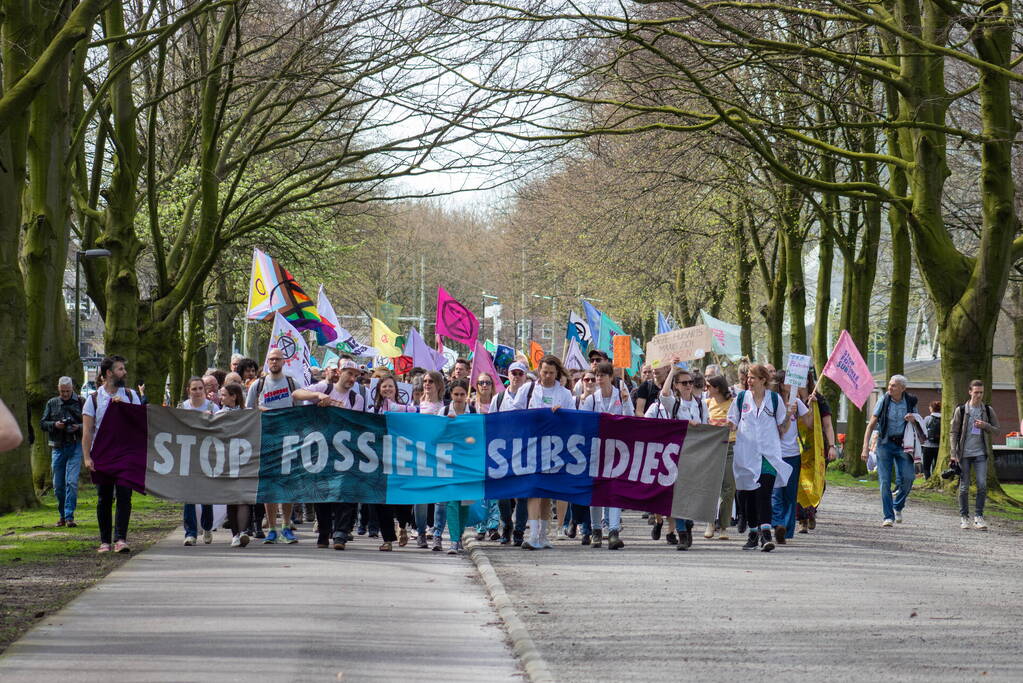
[(596, 352), (348, 365), (517, 365)]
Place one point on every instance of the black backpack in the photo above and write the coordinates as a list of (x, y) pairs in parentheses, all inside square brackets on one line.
[(934, 429)]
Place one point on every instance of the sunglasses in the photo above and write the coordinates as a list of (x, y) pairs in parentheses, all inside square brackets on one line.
[(517, 373), (483, 383), (589, 379), (684, 381)]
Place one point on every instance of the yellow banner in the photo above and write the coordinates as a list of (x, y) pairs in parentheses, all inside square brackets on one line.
[(811, 471)]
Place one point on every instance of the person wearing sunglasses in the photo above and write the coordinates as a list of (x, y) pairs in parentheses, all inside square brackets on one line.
[(676, 402), (431, 403)]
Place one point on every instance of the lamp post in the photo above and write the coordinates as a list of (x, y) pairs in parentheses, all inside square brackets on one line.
[(79, 255)]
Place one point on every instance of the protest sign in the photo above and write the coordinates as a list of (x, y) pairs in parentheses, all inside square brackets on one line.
[(323, 454), (797, 372), (622, 355), (689, 343)]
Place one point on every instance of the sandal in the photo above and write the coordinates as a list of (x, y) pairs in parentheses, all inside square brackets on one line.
[(386, 546)]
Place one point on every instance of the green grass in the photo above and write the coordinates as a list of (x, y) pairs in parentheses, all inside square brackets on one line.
[(993, 508), (31, 537)]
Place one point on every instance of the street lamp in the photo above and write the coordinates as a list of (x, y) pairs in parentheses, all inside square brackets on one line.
[(79, 255)]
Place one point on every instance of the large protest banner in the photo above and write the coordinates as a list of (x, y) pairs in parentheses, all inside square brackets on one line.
[(689, 343), (324, 454)]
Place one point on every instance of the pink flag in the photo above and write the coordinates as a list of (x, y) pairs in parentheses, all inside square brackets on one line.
[(482, 362), (455, 321), (849, 371)]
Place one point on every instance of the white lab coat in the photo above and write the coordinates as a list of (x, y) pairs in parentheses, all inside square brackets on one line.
[(663, 407), (614, 405), (756, 438)]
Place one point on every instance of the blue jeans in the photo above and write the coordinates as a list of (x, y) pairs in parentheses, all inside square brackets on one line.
[(66, 464), (978, 465), (891, 455), (440, 517), (610, 519), (188, 519), (581, 516), (783, 500)]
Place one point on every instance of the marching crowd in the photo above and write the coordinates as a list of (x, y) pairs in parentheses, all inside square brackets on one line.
[(771, 427)]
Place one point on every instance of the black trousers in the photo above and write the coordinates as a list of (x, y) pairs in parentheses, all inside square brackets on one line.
[(930, 460), (237, 518), (256, 514), (755, 505), (335, 520), (521, 514), (368, 516), (104, 512), (386, 514)]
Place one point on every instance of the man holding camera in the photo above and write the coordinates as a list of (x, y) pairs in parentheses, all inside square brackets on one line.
[(973, 423), (62, 421), (891, 414)]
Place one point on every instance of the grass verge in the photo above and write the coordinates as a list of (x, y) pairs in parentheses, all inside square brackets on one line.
[(993, 508), (43, 567)]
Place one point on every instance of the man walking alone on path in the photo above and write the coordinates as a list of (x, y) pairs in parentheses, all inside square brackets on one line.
[(62, 421), (890, 418), (973, 423)]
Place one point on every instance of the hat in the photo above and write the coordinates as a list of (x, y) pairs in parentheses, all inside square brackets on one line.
[(517, 365), (596, 352), (348, 365)]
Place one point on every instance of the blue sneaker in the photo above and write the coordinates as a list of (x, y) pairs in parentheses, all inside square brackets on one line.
[(289, 535), (271, 537)]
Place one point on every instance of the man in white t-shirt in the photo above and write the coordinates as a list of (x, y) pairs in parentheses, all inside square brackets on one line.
[(111, 374)]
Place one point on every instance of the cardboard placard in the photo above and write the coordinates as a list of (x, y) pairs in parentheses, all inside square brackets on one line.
[(622, 351), (689, 343)]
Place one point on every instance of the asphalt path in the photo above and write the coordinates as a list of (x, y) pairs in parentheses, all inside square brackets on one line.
[(924, 601), (272, 613)]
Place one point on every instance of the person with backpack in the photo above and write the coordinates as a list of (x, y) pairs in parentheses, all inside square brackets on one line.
[(783, 500), (932, 432), (676, 401), (759, 419), (614, 401), (431, 403), (199, 401), (111, 373), (973, 423), (457, 513), (274, 391), (512, 532), (891, 415)]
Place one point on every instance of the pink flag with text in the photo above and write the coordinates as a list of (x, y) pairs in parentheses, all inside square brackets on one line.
[(455, 321), (482, 362), (849, 371)]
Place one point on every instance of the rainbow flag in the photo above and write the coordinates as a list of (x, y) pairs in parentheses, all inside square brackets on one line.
[(272, 289)]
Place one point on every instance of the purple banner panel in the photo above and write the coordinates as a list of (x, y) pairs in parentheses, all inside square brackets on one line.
[(119, 451)]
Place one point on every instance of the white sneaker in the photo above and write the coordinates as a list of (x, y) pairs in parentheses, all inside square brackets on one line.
[(979, 523), (964, 522), (236, 542), (243, 539), (888, 522), (207, 537), (189, 540), (898, 516)]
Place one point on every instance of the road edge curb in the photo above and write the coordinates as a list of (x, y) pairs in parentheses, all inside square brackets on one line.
[(522, 643)]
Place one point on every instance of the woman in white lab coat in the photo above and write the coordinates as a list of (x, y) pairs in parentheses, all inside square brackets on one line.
[(759, 418)]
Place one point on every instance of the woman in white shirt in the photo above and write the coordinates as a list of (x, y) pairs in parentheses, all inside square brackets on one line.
[(783, 500), (232, 397), (546, 392), (676, 401), (759, 418), (486, 390), (607, 398), (198, 401), (431, 403), (386, 401)]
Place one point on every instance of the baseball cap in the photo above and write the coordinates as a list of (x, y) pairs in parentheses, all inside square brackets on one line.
[(348, 365), (596, 352), (518, 365)]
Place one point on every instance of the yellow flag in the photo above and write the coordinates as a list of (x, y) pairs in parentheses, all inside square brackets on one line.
[(811, 471), (383, 340)]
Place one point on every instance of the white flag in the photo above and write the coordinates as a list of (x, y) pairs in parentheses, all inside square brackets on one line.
[(293, 346), (575, 360), (582, 327), (450, 356), (326, 312)]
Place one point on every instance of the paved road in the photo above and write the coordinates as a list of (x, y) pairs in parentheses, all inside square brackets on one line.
[(272, 613), (851, 601)]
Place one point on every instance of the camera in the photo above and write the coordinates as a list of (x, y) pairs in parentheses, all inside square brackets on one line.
[(954, 470)]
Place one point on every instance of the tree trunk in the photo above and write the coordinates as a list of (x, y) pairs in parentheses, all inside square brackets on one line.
[(225, 327), (49, 344), (743, 295), (902, 255), (774, 311), (795, 285), (1017, 339)]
